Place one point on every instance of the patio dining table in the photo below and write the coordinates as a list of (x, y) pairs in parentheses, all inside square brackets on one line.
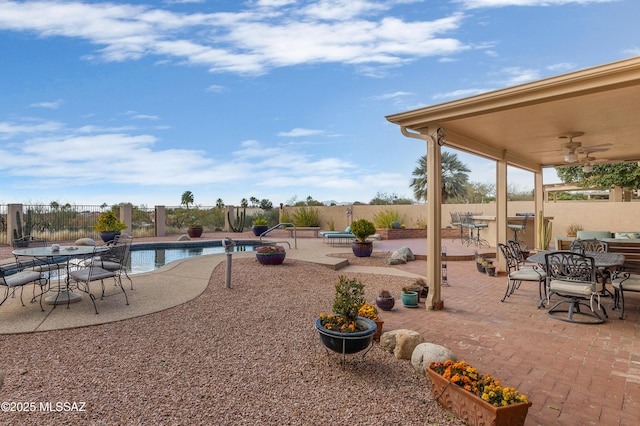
[(47, 256), (600, 259)]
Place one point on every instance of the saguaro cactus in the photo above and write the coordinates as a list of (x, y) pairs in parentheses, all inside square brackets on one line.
[(238, 225)]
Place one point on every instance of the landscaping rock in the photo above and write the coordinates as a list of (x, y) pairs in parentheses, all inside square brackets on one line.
[(184, 237), (426, 352), (400, 342), (402, 255)]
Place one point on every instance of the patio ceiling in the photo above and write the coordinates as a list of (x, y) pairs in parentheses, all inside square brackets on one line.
[(522, 124)]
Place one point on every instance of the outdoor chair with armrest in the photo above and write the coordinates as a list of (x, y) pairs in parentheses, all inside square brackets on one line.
[(516, 274), (623, 282), (21, 278), (116, 258), (85, 275), (573, 277)]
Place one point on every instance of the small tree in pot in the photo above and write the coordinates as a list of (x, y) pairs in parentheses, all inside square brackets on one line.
[(362, 229), (109, 226)]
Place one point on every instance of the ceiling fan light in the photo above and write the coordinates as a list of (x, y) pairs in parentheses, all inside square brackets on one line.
[(587, 168), (571, 157)]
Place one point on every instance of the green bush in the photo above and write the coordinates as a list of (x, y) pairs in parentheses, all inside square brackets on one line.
[(362, 228), (306, 216), (386, 217)]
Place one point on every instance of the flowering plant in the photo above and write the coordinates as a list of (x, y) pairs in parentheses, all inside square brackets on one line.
[(486, 387), (270, 249), (194, 223), (368, 311), (349, 297)]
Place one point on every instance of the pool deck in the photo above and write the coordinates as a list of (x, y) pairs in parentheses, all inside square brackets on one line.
[(573, 374)]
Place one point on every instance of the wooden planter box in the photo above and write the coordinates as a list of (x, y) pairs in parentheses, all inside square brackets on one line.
[(472, 409)]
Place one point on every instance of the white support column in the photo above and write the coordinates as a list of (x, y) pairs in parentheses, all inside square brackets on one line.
[(434, 224), (501, 209)]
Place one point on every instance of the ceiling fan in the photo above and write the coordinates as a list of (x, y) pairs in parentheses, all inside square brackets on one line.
[(588, 161), (573, 148)]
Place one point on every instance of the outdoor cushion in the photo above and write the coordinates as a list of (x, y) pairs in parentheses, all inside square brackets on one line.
[(627, 235), (85, 242), (593, 235), (574, 287)]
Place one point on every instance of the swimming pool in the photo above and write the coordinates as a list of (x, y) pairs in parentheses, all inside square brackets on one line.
[(148, 257)]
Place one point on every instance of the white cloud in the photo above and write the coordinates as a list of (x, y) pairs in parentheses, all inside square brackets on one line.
[(518, 75), (250, 41), (297, 132), (49, 105), (215, 88), (477, 4), (460, 93)]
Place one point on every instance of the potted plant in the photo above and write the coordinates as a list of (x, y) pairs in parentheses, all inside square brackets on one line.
[(259, 226), (489, 268), (270, 255), (370, 312), (409, 297), (344, 331), (476, 399), (385, 301), (109, 226), (194, 228), (362, 229), (572, 230)]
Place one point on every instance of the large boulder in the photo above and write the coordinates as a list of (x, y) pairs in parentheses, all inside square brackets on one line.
[(425, 353), (400, 342), (401, 256)]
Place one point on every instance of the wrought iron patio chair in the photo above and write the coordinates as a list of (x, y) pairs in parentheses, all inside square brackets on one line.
[(516, 275), (622, 282), (14, 277), (520, 253), (117, 257), (573, 277), (85, 275), (457, 222)]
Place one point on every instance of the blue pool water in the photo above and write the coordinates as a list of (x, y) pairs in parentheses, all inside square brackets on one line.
[(151, 256)]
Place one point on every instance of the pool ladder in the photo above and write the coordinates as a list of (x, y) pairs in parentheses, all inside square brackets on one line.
[(283, 225)]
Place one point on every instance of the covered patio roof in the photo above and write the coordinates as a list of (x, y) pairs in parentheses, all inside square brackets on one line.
[(521, 126)]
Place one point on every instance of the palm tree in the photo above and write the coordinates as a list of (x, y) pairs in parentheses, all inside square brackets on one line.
[(187, 198), (454, 177), (219, 203)]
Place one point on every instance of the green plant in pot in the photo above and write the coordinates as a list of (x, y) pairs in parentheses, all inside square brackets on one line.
[(109, 226), (362, 229), (385, 301), (194, 228), (259, 225), (344, 331)]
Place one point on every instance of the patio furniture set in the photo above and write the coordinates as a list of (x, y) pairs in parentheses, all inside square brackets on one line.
[(470, 227), (72, 267), (578, 277)]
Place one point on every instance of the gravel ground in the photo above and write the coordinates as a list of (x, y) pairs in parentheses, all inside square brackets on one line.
[(245, 355)]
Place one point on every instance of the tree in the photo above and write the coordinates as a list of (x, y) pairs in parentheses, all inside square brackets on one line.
[(219, 203), (254, 201), (244, 203), (266, 204), (187, 198), (454, 177), (382, 198), (603, 176)]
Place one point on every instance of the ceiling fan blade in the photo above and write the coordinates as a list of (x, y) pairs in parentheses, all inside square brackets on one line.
[(594, 148)]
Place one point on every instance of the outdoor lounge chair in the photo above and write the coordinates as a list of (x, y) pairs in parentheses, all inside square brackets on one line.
[(573, 277)]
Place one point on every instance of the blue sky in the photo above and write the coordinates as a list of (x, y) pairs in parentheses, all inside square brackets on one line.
[(134, 101)]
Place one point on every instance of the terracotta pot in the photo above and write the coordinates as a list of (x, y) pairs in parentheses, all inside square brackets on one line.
[(473, 409), (378, 333)]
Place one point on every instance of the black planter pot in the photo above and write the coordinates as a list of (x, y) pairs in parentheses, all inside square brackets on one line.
[(361, 249), (259, 229), (385, 303), (108, 236), (347, 343)]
